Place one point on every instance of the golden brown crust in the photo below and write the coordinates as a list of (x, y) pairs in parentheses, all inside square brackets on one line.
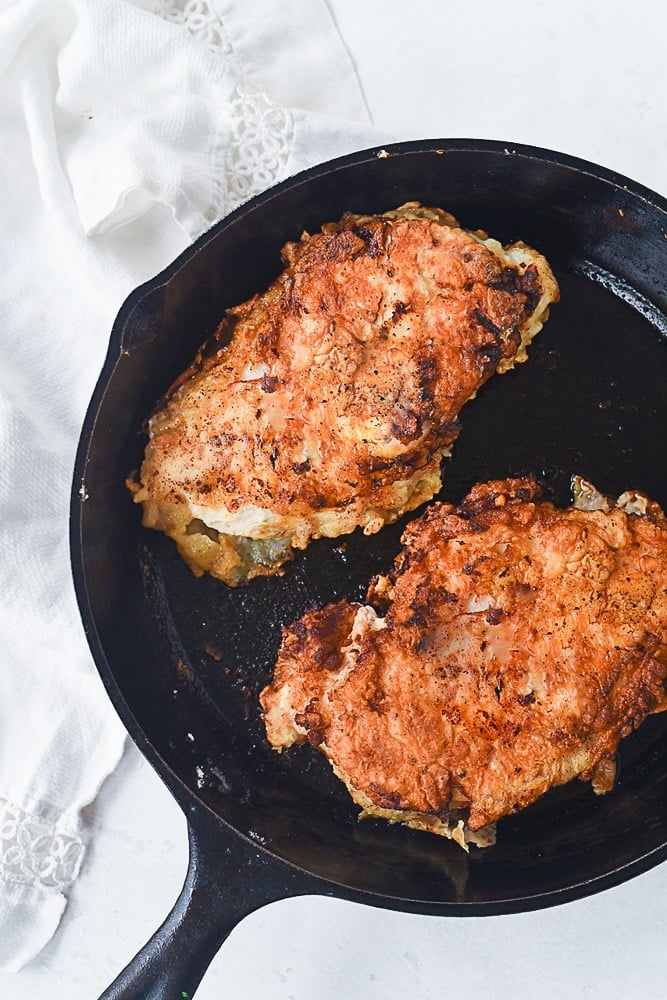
[(511, 649), (340, 388)]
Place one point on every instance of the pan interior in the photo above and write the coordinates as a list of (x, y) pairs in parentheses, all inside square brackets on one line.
[(185, 658)]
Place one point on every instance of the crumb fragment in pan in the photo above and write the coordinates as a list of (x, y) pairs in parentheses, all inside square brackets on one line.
[(327, 403), (510, 650)]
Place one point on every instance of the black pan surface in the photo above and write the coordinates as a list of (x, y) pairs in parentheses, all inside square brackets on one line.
[(184, 659)]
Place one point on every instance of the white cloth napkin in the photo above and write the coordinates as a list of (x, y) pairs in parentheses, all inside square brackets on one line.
[(126, 130)]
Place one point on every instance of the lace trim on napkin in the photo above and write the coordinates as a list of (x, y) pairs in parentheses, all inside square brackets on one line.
[(34, 851), (202, 22), (262, 130)]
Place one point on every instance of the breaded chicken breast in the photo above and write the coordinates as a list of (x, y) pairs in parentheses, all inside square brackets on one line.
[(511, 649), (327, 402)]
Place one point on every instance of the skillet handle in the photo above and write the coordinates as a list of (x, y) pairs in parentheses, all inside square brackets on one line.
[(227, 878)]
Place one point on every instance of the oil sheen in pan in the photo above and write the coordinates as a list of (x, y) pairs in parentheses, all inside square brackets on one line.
[(590, 400), (622, 290)]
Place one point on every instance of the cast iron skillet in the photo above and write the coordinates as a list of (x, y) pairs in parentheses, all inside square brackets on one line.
[(183, 659)]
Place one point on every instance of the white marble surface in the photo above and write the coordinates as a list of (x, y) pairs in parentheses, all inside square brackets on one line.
[(582, 76)]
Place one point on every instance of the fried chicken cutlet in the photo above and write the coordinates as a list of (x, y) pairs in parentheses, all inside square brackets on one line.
[(328, 402), (510, 650)]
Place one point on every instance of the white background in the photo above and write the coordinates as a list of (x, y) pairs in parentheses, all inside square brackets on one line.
[(586, 77)]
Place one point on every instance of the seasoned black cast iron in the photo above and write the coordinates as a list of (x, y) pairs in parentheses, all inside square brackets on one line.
[(183, 659)]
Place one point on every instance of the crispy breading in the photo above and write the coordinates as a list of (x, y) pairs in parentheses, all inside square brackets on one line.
[(327, 402), (511, 649)]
